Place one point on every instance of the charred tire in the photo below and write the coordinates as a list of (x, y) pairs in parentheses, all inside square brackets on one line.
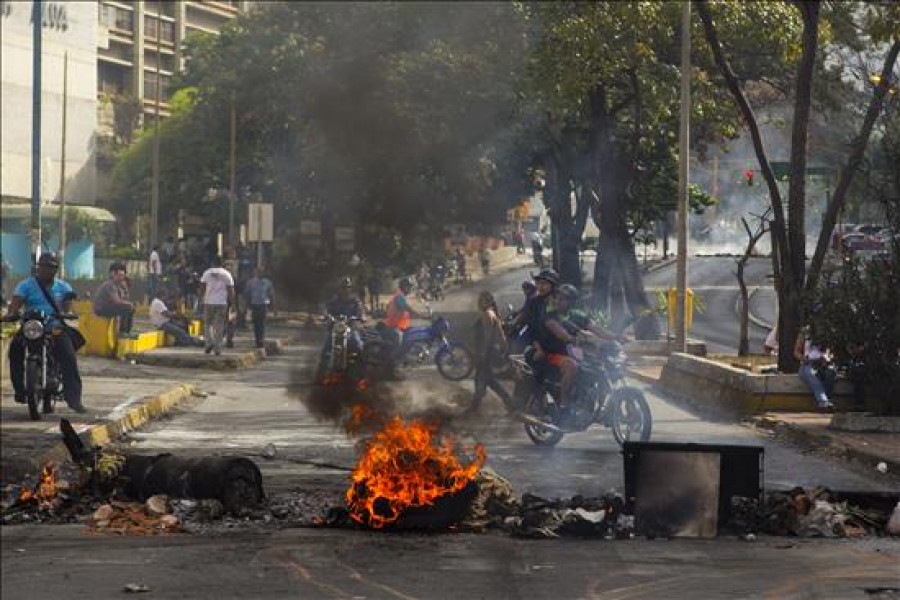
[(631, 418), (32, 389), (455, 362), (536, 407)]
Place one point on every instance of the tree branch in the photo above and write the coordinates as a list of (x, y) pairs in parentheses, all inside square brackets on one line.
[(848, 171)]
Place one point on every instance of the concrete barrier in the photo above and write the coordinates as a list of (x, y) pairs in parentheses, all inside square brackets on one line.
[(719, 389)]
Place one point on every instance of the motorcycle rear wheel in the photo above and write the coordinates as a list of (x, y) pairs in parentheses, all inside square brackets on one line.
[(631, 418), (32, 376), (538, 407)]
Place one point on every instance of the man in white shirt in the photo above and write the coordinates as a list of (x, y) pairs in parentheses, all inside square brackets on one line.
[(173, 324), (217, 291), (537, 248), (154, 272)]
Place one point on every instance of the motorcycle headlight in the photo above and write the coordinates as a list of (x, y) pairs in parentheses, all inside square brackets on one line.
[(32, 329)]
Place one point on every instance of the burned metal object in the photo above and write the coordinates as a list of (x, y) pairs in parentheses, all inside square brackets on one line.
[(234, 481), (687, 489)]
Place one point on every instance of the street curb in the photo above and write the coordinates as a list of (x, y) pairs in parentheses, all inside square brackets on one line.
[(135, 417), (803, 437), (658, 266), (753, 318), (646, 379), (225, 362)]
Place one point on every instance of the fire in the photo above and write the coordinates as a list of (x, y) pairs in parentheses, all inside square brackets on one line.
[(406, 465), (45, 490)]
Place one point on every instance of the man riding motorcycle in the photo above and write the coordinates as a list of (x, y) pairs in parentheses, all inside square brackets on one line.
[(399, 314), (30, 295), (346, 304), (535, 305), (560, 327)]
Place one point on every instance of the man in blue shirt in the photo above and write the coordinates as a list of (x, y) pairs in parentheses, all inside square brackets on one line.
[(28, 294)]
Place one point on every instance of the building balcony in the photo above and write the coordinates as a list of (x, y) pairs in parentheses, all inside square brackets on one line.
[(225, 9)]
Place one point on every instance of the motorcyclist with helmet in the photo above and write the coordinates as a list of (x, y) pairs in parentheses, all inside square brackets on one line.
[(30, 295), (561, 325), (347, 304), (532, 312)]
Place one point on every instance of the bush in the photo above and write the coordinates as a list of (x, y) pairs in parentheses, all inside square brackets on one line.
[(123, 253)]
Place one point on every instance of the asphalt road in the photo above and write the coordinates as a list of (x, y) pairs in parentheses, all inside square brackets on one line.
[(247, 411)]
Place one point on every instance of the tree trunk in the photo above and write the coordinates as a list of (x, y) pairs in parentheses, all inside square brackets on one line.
[(744, 339)]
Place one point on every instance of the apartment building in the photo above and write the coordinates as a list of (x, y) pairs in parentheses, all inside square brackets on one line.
[(134, 36)]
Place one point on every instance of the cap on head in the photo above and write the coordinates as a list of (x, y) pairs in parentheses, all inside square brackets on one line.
[(48, 259), (528, 285), (117, 266), (548, 275)]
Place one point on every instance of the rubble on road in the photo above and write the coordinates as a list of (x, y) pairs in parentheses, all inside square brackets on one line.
[(816, 513)]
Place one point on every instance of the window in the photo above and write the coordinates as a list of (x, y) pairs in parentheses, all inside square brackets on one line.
[(166, 27), (150, 86), (116, 18)]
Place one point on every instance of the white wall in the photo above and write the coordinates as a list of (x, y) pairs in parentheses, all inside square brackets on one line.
[(75, 31)]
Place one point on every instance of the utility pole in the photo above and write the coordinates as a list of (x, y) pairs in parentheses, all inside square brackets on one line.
[(62, 170), (36, 24), (154, 201), (683, 179), (232, 197)]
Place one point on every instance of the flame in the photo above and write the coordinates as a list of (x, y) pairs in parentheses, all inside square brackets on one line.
[(45, 490), (406, 465)]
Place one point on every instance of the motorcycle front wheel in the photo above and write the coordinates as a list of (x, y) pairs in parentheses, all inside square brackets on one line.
[(32, 377), (454, 362), (538, 407), (631, 418)]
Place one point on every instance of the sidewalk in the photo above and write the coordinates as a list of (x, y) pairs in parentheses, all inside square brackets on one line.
[(811, 430), (115, 405)]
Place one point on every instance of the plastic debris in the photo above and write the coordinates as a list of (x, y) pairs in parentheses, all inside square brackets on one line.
[(135, 588)]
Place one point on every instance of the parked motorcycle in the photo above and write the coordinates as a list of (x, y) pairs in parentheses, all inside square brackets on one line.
[(599, 395), (43, 379), (421, 345)]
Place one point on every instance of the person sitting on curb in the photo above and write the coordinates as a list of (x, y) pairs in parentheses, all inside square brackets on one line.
[(169, 322), (112, 299), (816, 369)]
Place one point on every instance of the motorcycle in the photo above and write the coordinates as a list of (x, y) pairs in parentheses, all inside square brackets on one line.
[(338, 357), (599, 395), (453, 360), (43, 379)]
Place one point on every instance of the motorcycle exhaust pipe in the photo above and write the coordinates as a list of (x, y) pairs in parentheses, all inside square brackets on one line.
[(534, 421)]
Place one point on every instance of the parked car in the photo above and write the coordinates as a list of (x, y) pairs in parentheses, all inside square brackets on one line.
[(861, 242)]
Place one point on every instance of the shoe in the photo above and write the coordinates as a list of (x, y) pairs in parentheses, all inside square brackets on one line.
[(229, 344), (826, 407), (79, 408), (218, 353), (21, 399), (208, 349)]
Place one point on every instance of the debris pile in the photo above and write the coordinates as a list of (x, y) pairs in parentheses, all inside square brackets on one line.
[(816, 513), (133, 518)]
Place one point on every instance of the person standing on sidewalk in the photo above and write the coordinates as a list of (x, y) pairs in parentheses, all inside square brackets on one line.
[(112, 299), (260, 296), (217, 291), (154, 272), (485, 256)]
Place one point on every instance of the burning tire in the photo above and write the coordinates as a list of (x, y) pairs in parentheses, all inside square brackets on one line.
[(538, 407), (631, 418), (455, 362)]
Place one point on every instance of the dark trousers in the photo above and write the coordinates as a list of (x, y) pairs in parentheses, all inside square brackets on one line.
[(484, 379), (123, 313), (258, 315), (64, 352)]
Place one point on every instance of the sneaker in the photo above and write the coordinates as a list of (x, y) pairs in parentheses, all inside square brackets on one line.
[(21, 399), (229, 344), (208, 349), (826, 407), (218, 352), (79, 408)]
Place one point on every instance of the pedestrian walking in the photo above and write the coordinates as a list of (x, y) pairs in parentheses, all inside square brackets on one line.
[(490, 344), (260, 296), (154, 273), (537, 248), (112, 299), (485, 256), (217, 291)]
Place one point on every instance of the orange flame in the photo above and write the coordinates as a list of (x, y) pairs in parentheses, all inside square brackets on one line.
[(405, 466), (45, 490)]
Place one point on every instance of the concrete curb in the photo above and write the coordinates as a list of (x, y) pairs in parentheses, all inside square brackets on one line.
[(658, 266), (120, 423), (225, 362), (803, 437), (766, 326)]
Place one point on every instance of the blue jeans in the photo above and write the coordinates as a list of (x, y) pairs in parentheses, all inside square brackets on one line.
[(182, 337), (819, 381)]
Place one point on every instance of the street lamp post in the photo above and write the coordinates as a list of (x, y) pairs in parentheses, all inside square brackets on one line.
[(683, 179), (36, 24)]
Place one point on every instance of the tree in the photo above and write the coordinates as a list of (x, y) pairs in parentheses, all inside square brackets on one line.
[(788, 234), (754, 235)]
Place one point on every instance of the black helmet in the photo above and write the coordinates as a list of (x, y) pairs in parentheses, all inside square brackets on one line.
[(405, 284), (347, 283), (567, 290), (548, 275), (528, 285), (48, 259)]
